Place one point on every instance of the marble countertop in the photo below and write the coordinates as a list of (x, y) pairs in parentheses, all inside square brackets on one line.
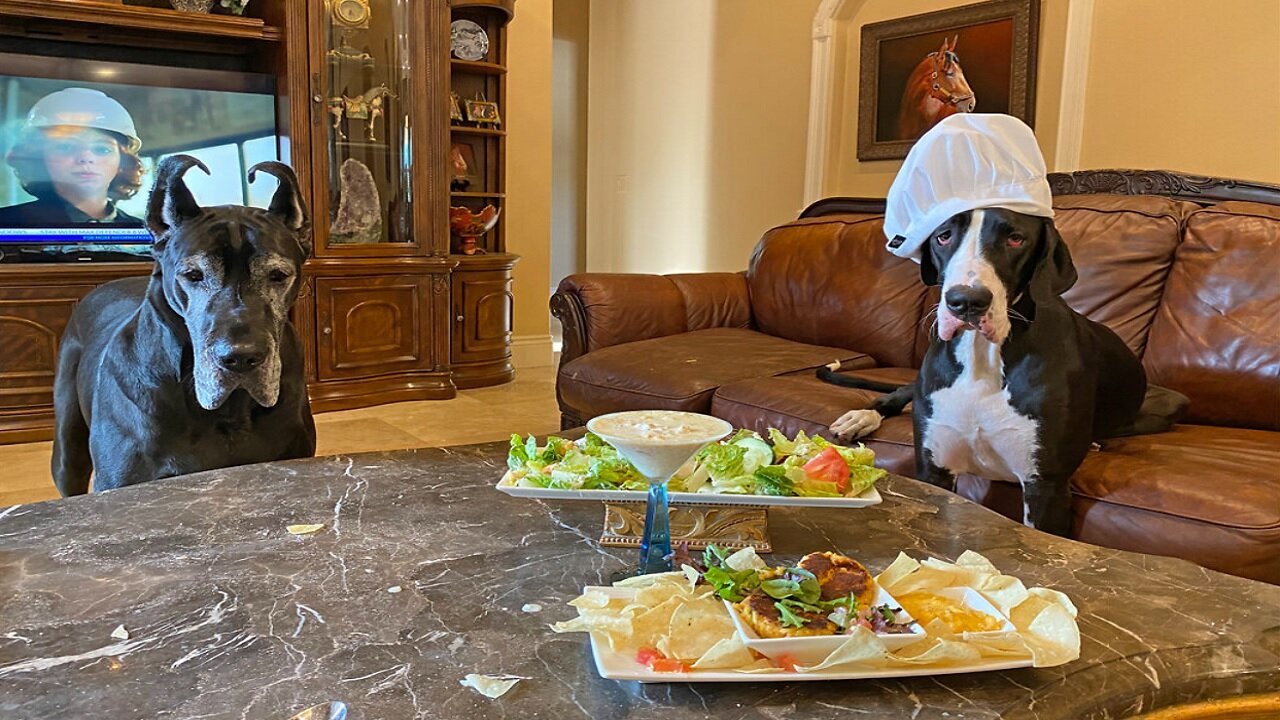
[(230, 616)]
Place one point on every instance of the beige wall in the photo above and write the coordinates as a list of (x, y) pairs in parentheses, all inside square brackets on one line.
[(696, 130), (1185, 85), (527, 119), (570, 65)]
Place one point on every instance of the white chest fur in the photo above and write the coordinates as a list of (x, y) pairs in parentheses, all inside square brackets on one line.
[(972, 427)]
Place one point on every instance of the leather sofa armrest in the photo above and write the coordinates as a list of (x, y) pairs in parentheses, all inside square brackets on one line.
[(597, 310)]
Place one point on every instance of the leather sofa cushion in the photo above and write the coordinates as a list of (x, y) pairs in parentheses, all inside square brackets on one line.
[(797, 402), (1122, 248), (1216, 337), (627, 307), (1207, 494), (829, 281), (680, 372)]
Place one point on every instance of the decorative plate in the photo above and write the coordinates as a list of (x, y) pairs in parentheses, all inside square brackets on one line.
[(469, 40)]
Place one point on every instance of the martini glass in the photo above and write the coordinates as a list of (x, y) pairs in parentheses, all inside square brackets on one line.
[(658, 443)]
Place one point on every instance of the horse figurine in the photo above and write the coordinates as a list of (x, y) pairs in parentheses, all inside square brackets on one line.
[(366, 106), (936, 89)]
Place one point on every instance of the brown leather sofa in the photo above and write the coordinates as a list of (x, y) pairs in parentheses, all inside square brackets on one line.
[(1184, 271)]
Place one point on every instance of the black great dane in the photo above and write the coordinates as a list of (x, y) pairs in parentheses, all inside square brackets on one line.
[(196, 367), (1016, 386)]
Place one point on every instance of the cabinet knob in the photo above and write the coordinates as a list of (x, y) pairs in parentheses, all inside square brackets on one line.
[(328, 331), (460, 318), (317, 97)]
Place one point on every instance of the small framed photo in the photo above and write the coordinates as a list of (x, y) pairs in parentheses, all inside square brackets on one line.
[(455, 110), (483, 112), (462, 166)]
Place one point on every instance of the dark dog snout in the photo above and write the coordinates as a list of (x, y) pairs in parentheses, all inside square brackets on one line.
[(967, 302), (240, 357)]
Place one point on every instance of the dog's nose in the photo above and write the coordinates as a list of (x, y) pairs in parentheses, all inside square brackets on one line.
[(967, 302), (241, 358)]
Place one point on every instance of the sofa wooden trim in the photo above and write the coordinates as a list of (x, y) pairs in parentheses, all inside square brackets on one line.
[(1178, 186)]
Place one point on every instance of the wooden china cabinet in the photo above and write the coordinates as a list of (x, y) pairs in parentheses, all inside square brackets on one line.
[(482, 302), (388, 313)]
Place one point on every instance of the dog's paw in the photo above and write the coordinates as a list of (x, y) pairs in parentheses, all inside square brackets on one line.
[(857, 423)]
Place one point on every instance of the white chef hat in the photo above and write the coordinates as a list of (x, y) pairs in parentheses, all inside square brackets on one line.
[(966, 161)]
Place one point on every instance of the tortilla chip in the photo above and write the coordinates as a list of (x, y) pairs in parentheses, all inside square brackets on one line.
[(695, 628), (727, 654), (936, 651), (1051, 633), (639, 581), (304, 529), (490, 686), (901, 567), (1005, 592), (744, 559), (862, 648), (1054, 596)]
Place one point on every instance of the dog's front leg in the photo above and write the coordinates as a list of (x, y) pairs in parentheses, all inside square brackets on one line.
[(934, 474), (1046, 503)]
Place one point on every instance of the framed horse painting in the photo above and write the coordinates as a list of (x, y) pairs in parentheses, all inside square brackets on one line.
[(917, 70)]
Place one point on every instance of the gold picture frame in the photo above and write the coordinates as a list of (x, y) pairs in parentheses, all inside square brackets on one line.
[(483, 112)]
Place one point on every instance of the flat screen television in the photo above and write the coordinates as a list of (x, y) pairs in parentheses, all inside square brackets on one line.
[(80, 140)]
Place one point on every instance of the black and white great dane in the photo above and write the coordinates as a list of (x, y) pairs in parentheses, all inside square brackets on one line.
[(197, 367), (1016, 386)]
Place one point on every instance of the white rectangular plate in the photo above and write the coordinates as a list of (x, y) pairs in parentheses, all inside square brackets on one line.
[(618, 666), (870, 497), (621, 666)]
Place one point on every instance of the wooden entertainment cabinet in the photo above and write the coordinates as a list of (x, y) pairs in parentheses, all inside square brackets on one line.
[(387, 314)]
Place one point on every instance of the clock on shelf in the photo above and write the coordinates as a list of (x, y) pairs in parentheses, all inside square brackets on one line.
[(350, 14)]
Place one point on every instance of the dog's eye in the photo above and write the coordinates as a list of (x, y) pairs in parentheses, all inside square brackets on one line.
[(943, 237), (1016, 241), (194, 276), (277, 276)]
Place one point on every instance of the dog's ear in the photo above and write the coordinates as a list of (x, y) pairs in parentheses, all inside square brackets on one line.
[(1054, 273), (928, 271), (171, 203), (287, 203)]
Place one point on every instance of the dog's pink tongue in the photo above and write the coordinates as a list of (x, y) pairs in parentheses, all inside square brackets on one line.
[(949, 326)]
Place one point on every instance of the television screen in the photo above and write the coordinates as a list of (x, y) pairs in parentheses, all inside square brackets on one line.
[(80, 140)]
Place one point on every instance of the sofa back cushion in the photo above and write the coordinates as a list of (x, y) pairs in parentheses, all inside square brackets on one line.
[(829, 281), (1122, 247), (1216, 335)]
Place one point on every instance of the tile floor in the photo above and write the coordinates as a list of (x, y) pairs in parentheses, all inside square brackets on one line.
[(527, 405)]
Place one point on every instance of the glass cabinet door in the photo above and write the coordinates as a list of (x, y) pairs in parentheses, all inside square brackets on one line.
[(366, 94)]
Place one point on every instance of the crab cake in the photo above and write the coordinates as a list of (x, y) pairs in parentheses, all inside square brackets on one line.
[(760, 612), (840, 576)]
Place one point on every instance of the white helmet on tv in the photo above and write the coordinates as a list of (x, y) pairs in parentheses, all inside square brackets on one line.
[(965, 162), (82, 107)]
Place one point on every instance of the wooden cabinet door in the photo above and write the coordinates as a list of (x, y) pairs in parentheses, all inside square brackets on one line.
[(372, 325), (32, 320), (481, 316)]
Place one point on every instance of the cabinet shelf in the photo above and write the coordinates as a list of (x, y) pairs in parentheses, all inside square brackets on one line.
[(477, 195), (143, 18), (464, 130), (483, 68)]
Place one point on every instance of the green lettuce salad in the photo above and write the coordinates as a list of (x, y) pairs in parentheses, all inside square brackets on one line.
[(744, 464)]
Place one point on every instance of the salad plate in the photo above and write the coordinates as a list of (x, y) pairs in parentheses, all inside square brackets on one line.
[(743, 470), (869, 497)]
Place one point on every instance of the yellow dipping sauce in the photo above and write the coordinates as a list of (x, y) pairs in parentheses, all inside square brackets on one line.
[(926, 607)]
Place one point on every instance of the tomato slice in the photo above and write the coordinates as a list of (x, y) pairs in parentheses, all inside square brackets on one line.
[(829, 467), (645, 656), (669, 666), (657, 662), (786, 662)]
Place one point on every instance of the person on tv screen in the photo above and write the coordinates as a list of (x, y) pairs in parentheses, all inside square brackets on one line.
[(78, 155)]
